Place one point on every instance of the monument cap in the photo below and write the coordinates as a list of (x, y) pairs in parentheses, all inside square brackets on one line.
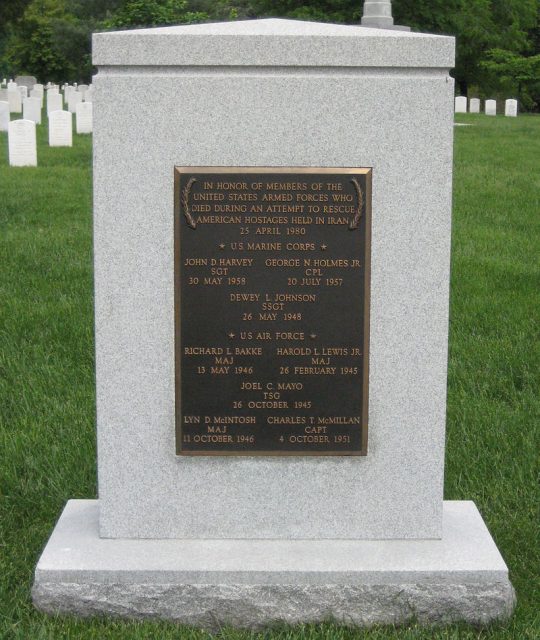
[(272, 42)]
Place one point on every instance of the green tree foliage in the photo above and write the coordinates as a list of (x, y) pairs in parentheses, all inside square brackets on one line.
[(512, 74), (480, 25), (469, 20), (51, 38), (32, 46), (341, 11), (152, 13)]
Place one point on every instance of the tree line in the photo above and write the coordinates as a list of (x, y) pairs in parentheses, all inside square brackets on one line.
[(498, 41)]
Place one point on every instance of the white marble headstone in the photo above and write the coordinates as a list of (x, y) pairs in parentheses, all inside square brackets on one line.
[(88, 96), (23, 91), (36, 93), (11, 85), (32, 109), (15, 101), (84, 117), (460, 104), (3, 95), (474, 105), (22, 143), (60, 129), (54, 102), (73, 100), (510, 108), (4, 116), (491, 107)]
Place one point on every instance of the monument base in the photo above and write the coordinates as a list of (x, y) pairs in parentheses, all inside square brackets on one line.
[(252, 583)]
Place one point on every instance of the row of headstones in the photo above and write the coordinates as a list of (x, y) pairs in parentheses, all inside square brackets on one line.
[(27, 95), (490, 107), (32, 110), (31, 83), (22, 144), (22, 133), (15, 95)]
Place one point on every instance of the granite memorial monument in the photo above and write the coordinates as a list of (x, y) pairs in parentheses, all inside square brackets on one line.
[(272, 212)]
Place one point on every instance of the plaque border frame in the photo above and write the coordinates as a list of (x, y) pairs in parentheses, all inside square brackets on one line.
[(181, 170)]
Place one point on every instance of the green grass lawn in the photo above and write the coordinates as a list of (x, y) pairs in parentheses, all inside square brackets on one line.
[(47, 385)]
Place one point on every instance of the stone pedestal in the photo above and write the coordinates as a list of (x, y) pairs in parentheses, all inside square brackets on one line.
[(252, 583), (249, 540)]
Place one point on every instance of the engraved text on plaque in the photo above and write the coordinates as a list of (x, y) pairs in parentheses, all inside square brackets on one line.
[(272, 310)]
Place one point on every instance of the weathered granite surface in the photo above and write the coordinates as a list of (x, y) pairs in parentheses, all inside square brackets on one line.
[(253, 583), (255, 606)]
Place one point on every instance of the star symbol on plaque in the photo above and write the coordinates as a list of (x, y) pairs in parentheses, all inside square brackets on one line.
[(323, 247), (231, 335), (222, 246), (313, 336)]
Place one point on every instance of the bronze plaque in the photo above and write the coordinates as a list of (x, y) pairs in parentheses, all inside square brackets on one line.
[(272, 310)]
